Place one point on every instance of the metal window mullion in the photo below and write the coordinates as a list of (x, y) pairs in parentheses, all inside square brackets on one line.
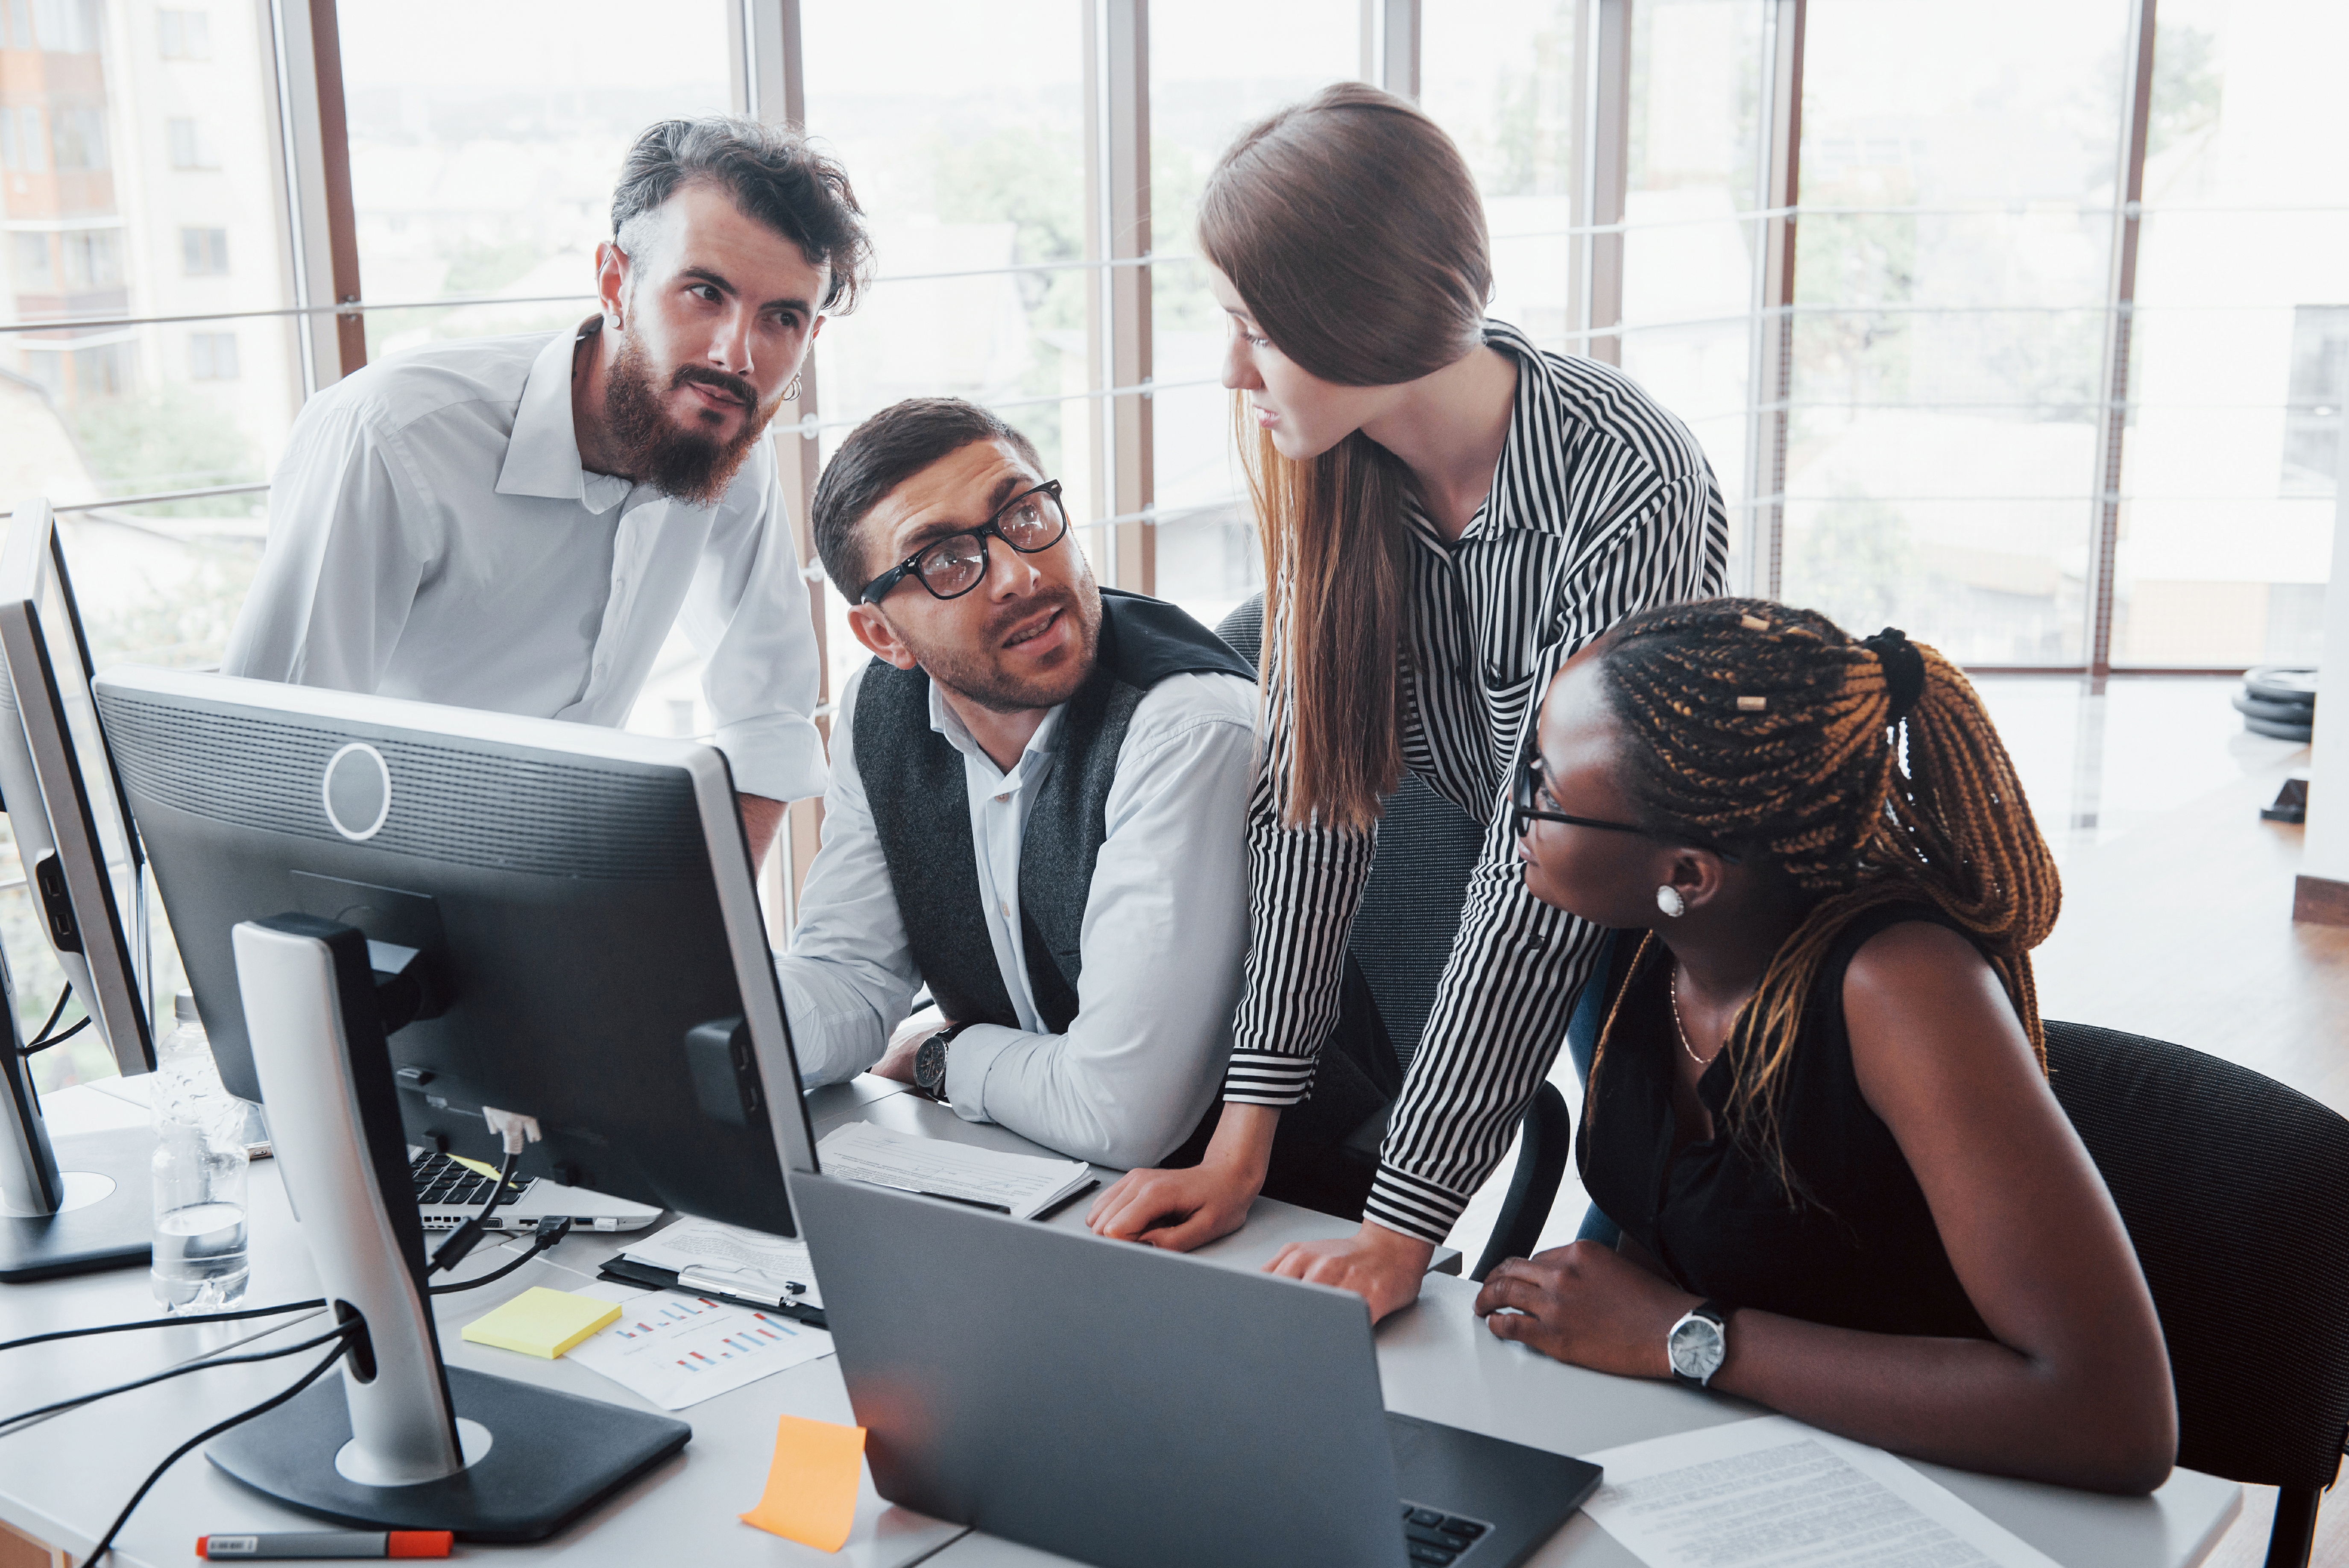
[(315, 145), (768, 81), (1601, 172), (1117, 158), (1772, 355), (1391, 46), (2112, 419)]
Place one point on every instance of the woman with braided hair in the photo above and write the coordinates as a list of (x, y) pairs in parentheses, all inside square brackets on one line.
[(1819, 1107)]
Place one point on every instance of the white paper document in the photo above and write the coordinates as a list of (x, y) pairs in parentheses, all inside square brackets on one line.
[(1022, 1183), (727, 1254), (1774, 1493), (678, 1350)]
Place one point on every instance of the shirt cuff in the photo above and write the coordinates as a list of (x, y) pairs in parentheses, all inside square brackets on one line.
[(1415, 1207), (1266, 1078), (778, 755), (970, 1056)]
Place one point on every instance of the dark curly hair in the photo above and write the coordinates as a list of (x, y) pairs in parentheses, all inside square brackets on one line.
[(1770, 730), (772, 173)]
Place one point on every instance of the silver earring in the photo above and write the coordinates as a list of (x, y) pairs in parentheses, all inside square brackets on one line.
[(1669, 899), (792, 392)]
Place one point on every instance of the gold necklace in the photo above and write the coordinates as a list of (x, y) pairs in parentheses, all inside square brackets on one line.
[(1673, 985)]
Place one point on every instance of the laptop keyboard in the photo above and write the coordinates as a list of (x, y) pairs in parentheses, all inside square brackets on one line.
[(441, 1181), (1436, 1538)]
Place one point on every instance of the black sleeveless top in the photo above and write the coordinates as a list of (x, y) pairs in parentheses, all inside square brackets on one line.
[(1856, 1248)]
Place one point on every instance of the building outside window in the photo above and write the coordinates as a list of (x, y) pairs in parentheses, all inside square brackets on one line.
[(192, 145), (212, 357), (183, 35), (203, 253)]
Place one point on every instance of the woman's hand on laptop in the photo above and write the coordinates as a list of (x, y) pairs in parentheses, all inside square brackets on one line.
[(1382, 1266), (1180, 1210)]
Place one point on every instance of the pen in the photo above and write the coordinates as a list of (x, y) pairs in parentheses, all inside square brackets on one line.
[(316, 1544), (1050, 1209)]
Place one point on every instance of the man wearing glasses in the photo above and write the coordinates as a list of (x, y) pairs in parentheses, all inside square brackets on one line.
[(1035, 811)]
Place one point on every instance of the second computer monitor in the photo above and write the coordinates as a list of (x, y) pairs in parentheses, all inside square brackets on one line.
[(580, 897), (79, 853)]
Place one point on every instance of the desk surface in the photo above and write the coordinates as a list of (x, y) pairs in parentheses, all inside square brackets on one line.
[(61, 1481)]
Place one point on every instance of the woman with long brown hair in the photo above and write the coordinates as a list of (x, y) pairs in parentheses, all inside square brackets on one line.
[(1448, 511), (1819, 1108)]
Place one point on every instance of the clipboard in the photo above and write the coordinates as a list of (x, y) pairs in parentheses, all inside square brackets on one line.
[(628, 1272)]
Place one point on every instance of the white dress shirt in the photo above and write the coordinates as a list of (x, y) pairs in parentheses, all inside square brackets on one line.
[(432, 535), (1165, 925)]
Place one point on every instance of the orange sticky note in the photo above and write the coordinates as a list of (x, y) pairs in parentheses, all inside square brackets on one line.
[(810, 1495)]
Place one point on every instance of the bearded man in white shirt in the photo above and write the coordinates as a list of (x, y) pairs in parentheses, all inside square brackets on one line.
[(516, 523), (1036, 798)]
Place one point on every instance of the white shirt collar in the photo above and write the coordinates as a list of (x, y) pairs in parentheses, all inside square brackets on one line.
[(1042, 744), (543, 454)]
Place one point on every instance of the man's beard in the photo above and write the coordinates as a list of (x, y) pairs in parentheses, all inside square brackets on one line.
[(971, 672), (682, 461)]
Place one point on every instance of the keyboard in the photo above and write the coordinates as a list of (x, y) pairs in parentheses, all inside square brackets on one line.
[(442, 1181), (1436, 1538)]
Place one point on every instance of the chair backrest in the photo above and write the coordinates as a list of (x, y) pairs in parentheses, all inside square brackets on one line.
[(1411, 909), (2232, 1187)]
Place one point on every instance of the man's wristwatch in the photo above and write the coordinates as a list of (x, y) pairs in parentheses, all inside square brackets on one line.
[(1699, 1343), (930, 1062)]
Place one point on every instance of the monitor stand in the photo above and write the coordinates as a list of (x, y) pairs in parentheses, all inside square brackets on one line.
[(70, 1207), (399, 1441)]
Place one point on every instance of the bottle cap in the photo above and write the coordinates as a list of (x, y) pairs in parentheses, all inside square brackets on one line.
[(184, 1008)]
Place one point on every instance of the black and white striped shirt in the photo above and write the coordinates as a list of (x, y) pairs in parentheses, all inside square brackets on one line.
[(1602, 505)]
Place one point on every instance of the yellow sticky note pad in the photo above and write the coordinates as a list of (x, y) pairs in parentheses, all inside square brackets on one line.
[(541, 1321), (810, 1495), (489, 1171)]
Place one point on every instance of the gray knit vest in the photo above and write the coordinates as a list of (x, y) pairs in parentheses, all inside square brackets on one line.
[(914, 780)]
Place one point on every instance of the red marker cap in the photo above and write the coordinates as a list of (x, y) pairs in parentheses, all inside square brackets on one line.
[(420, 1543)]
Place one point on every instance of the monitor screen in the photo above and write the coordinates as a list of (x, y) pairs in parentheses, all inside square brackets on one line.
[(582, 896), (80, 855)]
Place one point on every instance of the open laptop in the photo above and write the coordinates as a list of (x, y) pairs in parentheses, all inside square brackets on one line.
[(1138, 1409), (449, 1192)]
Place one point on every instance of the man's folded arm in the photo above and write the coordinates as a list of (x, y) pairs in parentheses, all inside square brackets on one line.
[(849, 976), (1165, 924), (747, 609)]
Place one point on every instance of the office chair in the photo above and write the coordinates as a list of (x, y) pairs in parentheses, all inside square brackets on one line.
[(2230, 1184), (1403, 935)]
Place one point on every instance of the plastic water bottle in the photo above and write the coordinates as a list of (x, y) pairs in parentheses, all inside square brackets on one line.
[(200, 1156)]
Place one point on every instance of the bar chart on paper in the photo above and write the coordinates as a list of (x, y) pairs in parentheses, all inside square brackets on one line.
[(678, 1350)]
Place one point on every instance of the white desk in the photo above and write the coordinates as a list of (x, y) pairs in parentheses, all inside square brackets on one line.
[(61, 1481)]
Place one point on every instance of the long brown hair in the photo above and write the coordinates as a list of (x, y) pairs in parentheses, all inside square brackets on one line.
[(1770, 730), (1351, 227)]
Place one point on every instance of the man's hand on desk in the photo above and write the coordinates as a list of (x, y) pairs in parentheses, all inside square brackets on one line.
[(897, 1062), (1382, 1266), (1588, 1305)]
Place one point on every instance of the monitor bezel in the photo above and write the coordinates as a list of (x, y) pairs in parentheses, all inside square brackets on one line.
[(38, 751)]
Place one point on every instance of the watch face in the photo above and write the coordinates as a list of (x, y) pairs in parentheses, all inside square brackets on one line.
[(930, 1064), (1697, 1347)]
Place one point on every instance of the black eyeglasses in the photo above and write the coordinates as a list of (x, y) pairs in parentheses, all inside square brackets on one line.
[(1523, 813), (1031, 521)]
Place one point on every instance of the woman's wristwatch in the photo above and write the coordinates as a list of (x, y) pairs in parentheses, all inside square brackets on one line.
[(1698, 1343), (930, 1062)]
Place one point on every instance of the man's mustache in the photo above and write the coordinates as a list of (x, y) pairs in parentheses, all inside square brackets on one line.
[(734, 387), (1000, 625)]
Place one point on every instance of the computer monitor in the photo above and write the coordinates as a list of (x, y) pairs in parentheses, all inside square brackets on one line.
[(81, 856), (401, 919), (581, 896)]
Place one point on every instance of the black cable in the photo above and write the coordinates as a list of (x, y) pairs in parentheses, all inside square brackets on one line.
[(45, 1041), (551, 1229), (207, 1435), (162, 1322), (56, 1013), (201, 1364), (466, 1237)]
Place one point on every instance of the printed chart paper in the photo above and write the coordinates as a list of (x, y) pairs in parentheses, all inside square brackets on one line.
[(678, 1350), (1774, 1493)]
